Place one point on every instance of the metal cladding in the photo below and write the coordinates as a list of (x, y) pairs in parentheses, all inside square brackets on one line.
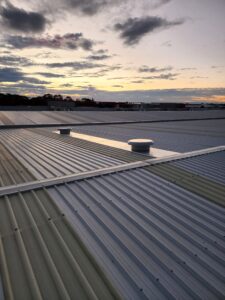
[(174, 136), (41, 255), (154, 239), (80, 220), (76, 117), (211, 166), (11, 170), (47, 157)]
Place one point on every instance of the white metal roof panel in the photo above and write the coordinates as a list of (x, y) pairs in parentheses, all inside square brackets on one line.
[(174, 136), (154, 239), (211, 166), (51, 117), (46, 157)]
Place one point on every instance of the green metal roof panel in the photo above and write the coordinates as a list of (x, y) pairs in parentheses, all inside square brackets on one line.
[(42, 257), (199, 185), (211, 166)]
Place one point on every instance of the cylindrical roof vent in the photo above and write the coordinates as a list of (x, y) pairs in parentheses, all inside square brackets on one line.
[(140, 145), (64, 130)]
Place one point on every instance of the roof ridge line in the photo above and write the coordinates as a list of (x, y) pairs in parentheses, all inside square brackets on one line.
[(12, 189)]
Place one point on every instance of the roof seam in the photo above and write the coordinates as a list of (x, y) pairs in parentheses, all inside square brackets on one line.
[(104, 171)]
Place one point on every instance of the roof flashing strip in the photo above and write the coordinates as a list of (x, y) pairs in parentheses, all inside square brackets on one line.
[(154, 153), (104, 171)]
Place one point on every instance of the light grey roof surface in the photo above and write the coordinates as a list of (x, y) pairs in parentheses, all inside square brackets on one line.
[(52, 117), (133, 228), (154, 239), (211, 166), (47, 157), (175, 136)]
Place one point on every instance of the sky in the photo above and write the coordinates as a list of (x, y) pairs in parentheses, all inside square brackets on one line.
[(114, 50)]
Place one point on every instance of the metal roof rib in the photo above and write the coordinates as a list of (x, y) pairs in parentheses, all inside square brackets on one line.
[(150, 232), (210, 166), (48, 157), (193, 182), (43, 254), (85, 220), (11, 170)]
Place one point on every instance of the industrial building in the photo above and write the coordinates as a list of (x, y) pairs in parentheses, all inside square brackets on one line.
[(84, 217)]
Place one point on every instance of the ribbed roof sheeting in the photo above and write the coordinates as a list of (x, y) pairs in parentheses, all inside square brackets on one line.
[(120, 154), (42, 257), (52, 117), (154, 239), (11, 170), (211, 166), (47, 157), (175, 136)]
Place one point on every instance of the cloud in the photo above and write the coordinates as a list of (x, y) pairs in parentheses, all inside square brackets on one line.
[(146, 69), (198, 77), (13, 60), (34, 80), (98, 57), (167, 44), (50, 75), (69, 41), (188, 69), (158, 3), (137, 81), (75, 65), (16, 75), (90, 7), (216, 67), (10, 75), (168, 76), (23, 88), (21, 20), (134, 29), (117, 86)]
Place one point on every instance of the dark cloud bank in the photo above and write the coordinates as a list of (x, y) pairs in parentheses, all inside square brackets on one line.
[(70, 41), (20, 20), (134, 29), (16, 75)]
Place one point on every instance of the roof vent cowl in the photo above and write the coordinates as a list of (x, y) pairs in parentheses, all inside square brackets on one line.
[(64, 130), (140, 145)]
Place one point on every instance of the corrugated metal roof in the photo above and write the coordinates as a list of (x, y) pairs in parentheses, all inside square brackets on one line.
[(200, 185), (42, 257), (51, 117), (154, 236), (175, 136), (48, 157), (11, 170), (120, 154), (211, 166), (154, 239)]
